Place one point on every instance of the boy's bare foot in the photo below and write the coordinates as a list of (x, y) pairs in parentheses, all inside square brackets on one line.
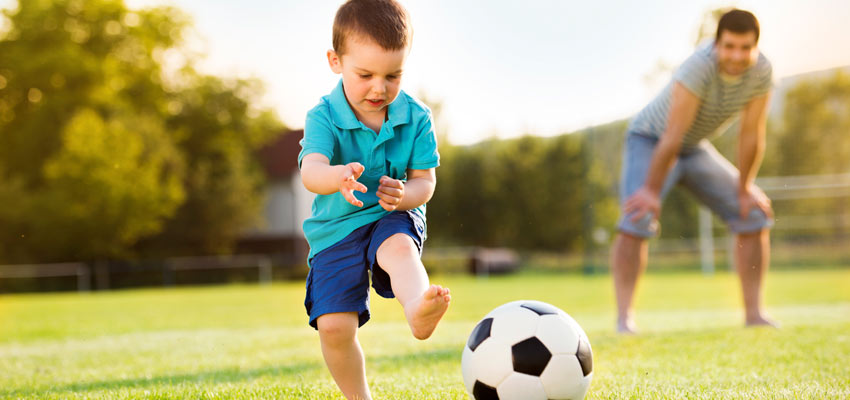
[(425, 312), (761, 321), (626, 327)]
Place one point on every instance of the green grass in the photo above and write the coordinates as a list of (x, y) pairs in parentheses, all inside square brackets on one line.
[(245, 342)]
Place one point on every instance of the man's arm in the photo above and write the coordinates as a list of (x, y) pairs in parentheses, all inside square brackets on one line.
[(397, 195), (683, 111), (751, 140), (751, 143)]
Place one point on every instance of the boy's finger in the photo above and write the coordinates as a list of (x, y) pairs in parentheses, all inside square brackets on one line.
[(389, 182), (386, 206), (349, 196), (390, 191), (389, 199)]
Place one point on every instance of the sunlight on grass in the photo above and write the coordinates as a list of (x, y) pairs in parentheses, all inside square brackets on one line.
[(243, 342)]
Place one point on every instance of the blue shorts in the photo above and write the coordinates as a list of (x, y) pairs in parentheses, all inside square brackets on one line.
[(702, 170), (338, 280)]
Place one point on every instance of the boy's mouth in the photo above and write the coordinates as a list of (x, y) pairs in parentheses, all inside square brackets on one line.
[(375, 103)]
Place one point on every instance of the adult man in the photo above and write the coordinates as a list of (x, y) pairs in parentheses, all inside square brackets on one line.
[(666, 144)]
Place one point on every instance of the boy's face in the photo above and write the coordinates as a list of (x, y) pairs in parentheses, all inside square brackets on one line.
[(736, 51), (371, 76)]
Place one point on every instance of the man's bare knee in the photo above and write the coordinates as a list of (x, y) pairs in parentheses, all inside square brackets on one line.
[(755, 234), (632, 238)]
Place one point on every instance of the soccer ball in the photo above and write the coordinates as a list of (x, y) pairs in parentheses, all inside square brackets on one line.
[(527, 350)]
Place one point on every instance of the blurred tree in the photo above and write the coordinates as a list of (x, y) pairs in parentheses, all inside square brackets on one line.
[(814, 139), (708, 25), (526, 193), (108, 135), (219, 132)]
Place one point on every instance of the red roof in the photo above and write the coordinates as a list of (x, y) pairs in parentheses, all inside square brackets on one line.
[(280, 157)]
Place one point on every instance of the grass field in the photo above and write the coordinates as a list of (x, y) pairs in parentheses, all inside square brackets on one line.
[(245, 342)]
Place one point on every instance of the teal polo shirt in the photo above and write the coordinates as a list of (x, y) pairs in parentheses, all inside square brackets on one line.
[(406, 141)]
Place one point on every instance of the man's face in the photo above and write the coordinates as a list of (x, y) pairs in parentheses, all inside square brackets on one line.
[(371, 76), (736, 51)]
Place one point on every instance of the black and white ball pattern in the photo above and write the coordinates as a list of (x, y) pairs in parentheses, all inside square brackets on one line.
[(527, 350)]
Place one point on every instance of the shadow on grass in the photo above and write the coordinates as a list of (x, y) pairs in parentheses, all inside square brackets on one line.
[(233, 375)]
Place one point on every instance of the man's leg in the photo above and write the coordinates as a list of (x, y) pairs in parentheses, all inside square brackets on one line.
[(343, 354), (752, 255), (629, 256), (424, 304), (714, 180)]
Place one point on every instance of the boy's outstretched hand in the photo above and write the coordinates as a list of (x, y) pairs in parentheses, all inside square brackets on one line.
[(390, 193), (348, 183)]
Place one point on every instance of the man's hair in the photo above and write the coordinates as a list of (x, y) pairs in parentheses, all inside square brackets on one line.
[(738, 21), (384, 21)]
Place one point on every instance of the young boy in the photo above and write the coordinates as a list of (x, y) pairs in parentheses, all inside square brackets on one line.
[(370, 137)]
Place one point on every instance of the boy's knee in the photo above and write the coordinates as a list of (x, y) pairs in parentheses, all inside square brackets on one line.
[(398, 243), (337, 328)]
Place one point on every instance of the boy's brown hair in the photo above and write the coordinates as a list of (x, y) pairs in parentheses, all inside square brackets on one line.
[(384, 21)]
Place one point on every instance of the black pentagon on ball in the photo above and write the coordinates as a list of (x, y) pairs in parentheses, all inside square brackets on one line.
[(540, 309), (480, 333), (482, 391), (585, 357), (530, 356)]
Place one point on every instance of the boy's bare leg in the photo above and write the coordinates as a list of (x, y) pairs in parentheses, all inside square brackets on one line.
[(628, 261), (424, 304), (343, 355), (753, 257)]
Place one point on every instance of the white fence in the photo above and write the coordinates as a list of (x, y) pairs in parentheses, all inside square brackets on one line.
[(169, 267), (780, 188)]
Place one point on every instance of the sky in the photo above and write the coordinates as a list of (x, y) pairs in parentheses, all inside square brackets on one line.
[(506, 68)]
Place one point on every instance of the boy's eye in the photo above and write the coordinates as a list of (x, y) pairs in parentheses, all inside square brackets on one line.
[(365, 76), (392, 77)]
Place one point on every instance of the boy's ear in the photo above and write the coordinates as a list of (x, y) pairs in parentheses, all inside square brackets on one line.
[(334, 62)]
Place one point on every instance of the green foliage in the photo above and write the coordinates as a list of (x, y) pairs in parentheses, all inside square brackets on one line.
[(110, 184), (527, 193), (219, 132), (108, 136), (708, 24), (813, 138)]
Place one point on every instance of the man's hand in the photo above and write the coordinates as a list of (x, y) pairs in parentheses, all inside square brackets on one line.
[(390, 193), (642, 202), (751, 197), (348, 182)]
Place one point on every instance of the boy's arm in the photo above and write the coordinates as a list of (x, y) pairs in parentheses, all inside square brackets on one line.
[(683, 111), (394, 194), (320, 177)]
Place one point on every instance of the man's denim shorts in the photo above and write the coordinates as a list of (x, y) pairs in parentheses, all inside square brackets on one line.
[(701, 169), (338, 280)]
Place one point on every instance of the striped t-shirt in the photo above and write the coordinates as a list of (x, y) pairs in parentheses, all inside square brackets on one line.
[(719, 99)]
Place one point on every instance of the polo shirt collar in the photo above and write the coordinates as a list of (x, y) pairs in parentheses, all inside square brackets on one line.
[(341, 112), (343, 116), (399, 111)]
